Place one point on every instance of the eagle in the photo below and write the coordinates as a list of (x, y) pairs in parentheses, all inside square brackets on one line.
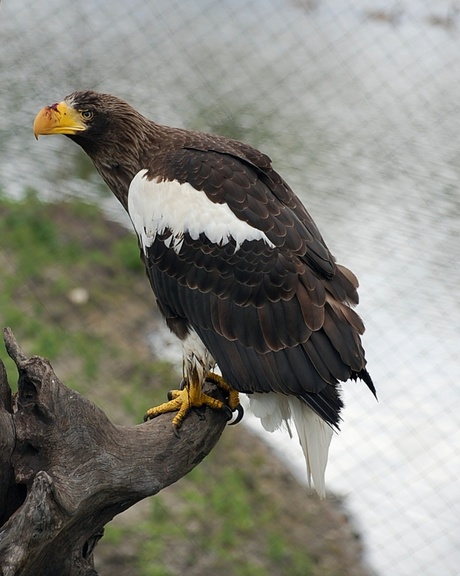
[(238, 267)]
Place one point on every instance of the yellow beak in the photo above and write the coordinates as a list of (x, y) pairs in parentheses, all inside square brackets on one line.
[(58, 119)]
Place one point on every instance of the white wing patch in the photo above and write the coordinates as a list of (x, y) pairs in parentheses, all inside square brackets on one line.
[(154, 206)]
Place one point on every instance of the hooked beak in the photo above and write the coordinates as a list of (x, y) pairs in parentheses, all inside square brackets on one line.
[(59, 118)]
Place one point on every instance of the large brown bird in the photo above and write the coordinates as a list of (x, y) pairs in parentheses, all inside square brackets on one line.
[(239, 268)]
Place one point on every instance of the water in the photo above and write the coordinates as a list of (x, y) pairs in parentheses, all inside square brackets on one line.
[(362, 118)]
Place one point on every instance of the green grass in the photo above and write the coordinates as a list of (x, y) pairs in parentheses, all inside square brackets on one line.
[(41, 260), (220, 516)]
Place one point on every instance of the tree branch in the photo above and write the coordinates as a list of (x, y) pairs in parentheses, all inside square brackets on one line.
[(66, 470)]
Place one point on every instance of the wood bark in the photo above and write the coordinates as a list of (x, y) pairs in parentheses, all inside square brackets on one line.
[(66, 470)]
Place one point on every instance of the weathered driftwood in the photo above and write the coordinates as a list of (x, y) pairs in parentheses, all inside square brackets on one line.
[(66, 470)]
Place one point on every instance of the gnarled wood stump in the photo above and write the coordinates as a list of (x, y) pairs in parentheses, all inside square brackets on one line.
[(66, 470)]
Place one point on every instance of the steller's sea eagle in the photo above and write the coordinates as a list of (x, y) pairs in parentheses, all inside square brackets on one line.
[(239, 269)]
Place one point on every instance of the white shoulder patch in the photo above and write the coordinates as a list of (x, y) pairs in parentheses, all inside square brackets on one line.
[(154, 206)]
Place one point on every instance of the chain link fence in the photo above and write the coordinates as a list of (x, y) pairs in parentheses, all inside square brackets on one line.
[(358, 104)]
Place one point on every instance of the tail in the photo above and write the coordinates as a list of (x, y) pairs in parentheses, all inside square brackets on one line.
[(314, 433)]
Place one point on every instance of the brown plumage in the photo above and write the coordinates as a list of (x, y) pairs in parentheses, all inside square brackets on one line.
[(271, 305)]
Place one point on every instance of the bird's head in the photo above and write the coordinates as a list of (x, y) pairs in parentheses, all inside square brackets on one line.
[(89, 118), (108, 129)]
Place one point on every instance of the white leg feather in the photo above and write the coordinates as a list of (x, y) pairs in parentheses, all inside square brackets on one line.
[(314, 434), (272, 409)]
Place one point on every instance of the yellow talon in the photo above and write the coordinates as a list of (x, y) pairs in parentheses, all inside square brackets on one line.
[(191, 396), (183, 401), (233, 396)]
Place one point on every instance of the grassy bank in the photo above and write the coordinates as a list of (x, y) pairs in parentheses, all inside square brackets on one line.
[(72, 289)]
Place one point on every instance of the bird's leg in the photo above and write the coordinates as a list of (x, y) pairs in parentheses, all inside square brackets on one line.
[(233, 396), (192, 396)]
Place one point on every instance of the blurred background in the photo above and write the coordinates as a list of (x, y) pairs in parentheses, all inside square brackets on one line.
[(358, 104)]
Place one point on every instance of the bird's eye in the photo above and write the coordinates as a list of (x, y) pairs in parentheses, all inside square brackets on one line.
[(86, 114)]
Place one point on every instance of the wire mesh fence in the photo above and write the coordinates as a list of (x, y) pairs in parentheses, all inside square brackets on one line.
[(357, 103)]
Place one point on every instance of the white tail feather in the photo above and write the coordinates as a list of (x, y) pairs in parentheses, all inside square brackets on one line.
[(315, 437), (314, 434)]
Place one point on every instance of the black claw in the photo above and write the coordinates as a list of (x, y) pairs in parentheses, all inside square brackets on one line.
[(227, 411), (176, 431), (169, 395), (239, 416)]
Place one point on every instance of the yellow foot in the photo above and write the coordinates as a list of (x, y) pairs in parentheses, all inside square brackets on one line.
[(233, 396), (183, 401), (191, 396)]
